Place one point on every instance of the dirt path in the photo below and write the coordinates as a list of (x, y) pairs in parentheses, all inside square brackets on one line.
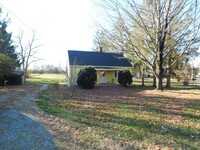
[(20, 125)]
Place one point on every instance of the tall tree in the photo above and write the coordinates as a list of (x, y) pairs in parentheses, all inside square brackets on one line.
[(102, 42), (6, 44), (27, 51), (149, 26), (7, 64)]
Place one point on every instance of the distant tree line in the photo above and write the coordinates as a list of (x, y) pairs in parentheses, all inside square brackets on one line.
[(48, 69)]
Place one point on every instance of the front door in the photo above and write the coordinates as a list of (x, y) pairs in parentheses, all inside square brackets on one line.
[(103, 77)]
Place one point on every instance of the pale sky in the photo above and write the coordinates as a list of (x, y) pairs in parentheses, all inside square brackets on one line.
[(61, 25)]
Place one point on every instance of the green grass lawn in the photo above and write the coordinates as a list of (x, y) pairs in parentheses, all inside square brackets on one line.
[(47, 78), (127, 118)]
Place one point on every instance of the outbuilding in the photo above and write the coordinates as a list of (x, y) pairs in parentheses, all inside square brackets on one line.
[(15, 78)]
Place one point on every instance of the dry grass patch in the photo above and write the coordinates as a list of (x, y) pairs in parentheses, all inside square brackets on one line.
[(20, 89), (3, 89), (127, 118)]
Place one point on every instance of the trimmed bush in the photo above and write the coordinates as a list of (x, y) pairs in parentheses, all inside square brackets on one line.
[(86, 78), (125, 78)]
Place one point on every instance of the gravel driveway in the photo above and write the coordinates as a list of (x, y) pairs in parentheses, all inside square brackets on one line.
[(20, 125)]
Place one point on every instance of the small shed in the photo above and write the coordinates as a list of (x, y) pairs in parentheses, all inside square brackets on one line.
[(15, 78)]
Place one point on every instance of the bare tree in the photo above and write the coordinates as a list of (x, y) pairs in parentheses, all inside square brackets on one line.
[(102, 43), (148, 27), (27, 51)]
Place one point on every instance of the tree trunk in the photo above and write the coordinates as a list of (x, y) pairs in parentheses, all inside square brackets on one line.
[(142, 79), (159, 77), (154, 81), (143, 71), (159, 85), (25, 75), (168, 84)]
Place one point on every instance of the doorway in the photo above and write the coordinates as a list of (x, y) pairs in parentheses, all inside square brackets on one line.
[(103, 77)]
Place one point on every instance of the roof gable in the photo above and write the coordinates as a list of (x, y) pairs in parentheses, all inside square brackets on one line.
[(86, 58)]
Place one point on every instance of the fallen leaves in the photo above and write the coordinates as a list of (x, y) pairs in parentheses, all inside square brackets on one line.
[(117, 116)]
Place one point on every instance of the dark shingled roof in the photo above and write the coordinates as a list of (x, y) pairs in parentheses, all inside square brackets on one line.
[(88, 58)]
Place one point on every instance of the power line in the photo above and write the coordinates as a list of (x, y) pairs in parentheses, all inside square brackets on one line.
[(24, 23), (16, 17)]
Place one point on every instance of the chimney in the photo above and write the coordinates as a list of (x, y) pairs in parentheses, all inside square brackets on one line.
[(101, 49)]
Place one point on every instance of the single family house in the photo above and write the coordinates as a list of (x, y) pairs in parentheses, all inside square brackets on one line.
[(107, 65)]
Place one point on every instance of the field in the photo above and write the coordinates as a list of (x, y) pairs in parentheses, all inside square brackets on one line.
[(47, 78), (114, 117)]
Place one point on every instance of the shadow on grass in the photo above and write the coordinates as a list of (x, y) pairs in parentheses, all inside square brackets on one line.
[(135, 100), (95, 108), (174, 86), (183, 87), (125, 127), (35, 82)]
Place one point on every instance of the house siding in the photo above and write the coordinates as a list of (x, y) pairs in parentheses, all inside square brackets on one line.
[(98, 77), (109, 74)]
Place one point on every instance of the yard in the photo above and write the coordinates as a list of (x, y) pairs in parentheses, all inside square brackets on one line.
[(124, 118), (114, 117)]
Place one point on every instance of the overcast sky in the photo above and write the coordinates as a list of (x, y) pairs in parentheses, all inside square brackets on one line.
[(60, 25)]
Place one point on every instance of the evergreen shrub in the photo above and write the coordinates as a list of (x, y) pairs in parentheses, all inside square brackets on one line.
[(86, 78), (125, 77)]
